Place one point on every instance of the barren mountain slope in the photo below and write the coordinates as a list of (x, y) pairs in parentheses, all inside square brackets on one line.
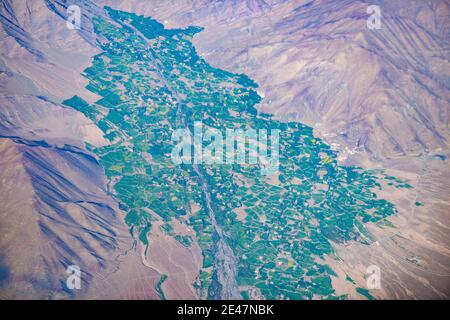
[(380, 97), (55, 210), (382, 91)]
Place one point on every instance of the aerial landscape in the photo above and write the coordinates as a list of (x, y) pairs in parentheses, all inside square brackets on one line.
[(224, 150)]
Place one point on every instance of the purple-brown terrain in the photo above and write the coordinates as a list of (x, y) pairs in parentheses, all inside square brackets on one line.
[(379, 97)]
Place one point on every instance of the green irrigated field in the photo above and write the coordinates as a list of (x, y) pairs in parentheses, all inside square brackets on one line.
[(151, 81)]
